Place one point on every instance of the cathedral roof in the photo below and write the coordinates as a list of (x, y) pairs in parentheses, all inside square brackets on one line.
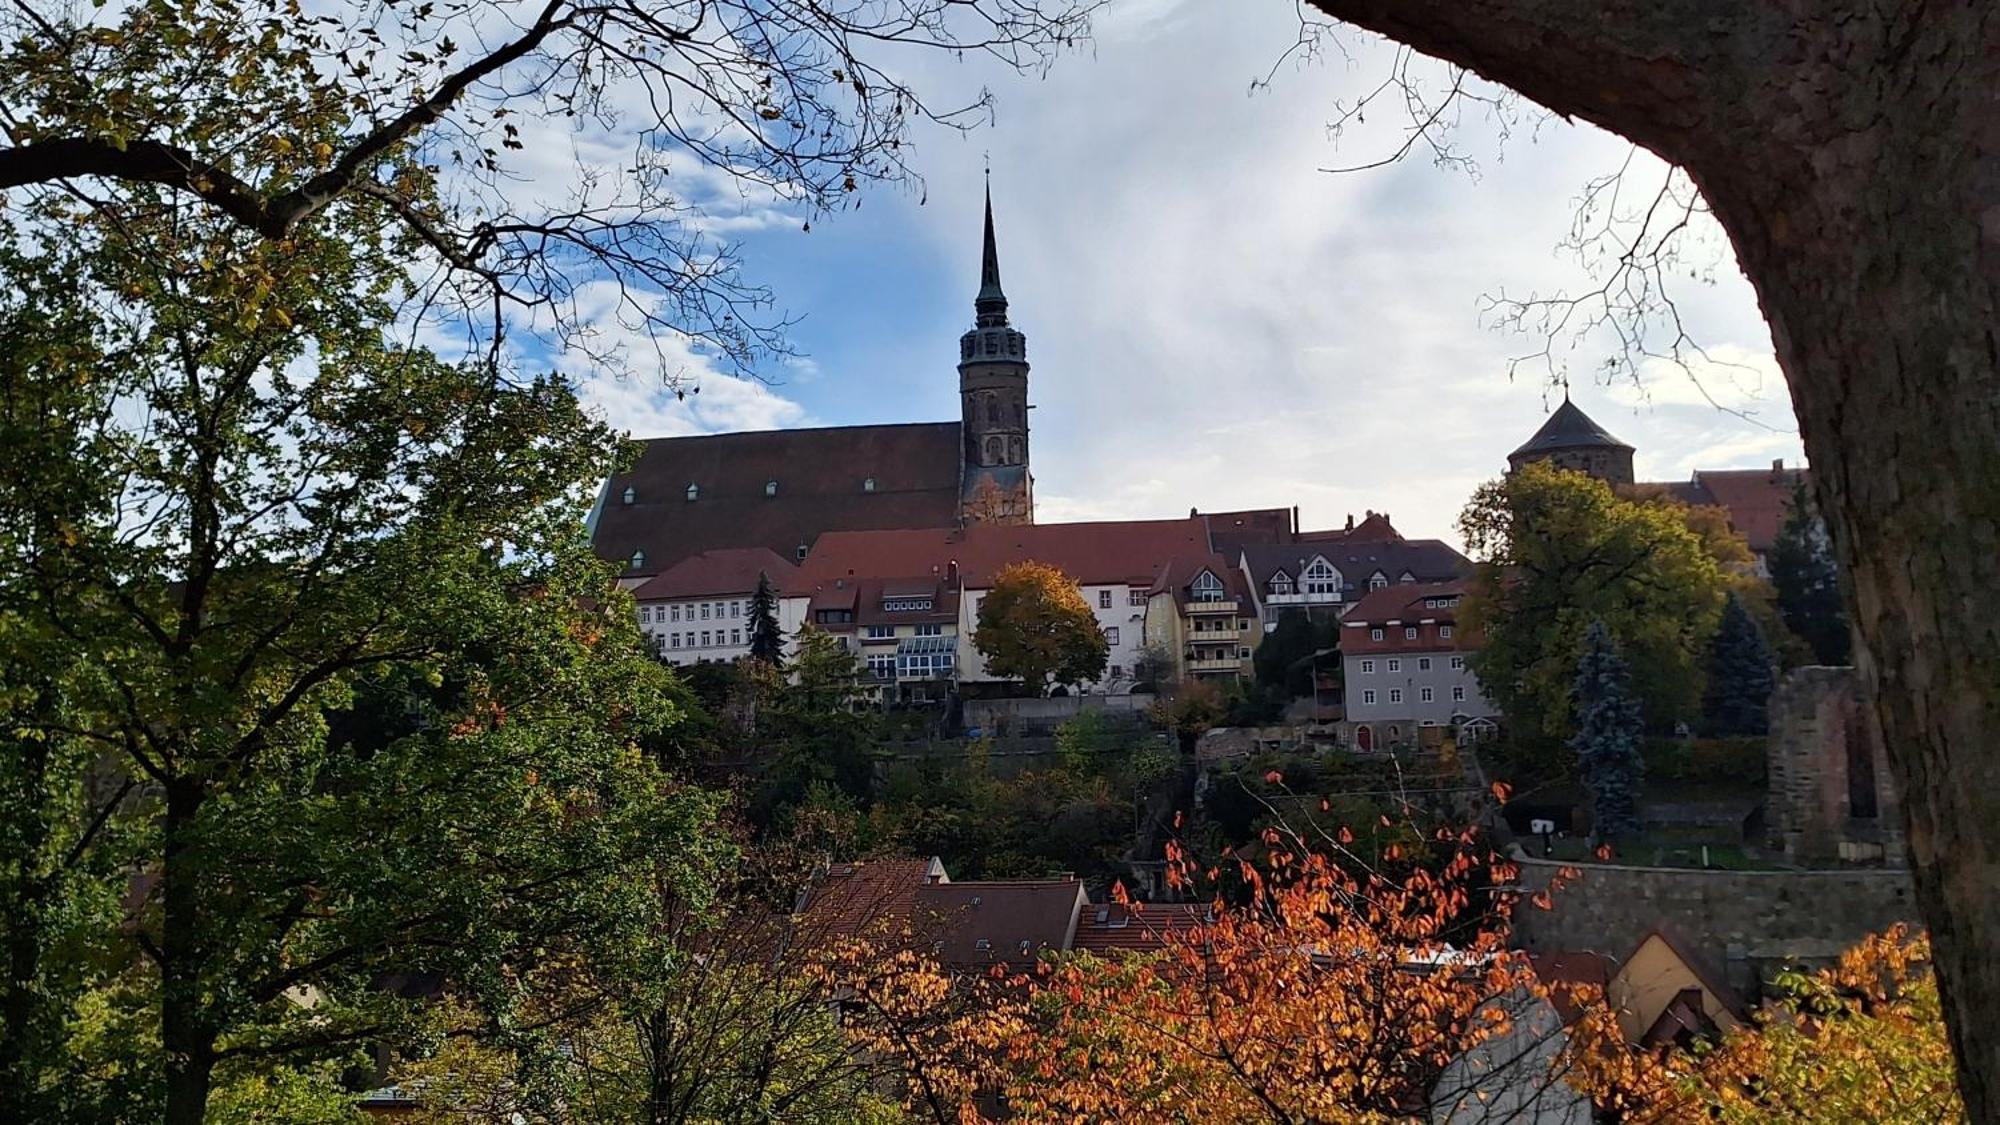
[(1568, 428), (821, 479)]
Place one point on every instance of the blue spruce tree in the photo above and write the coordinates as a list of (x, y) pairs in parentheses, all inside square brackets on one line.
[(1607, 739), (1740, 677)]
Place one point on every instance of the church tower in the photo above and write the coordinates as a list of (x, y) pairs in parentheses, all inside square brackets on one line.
[(994, 483)]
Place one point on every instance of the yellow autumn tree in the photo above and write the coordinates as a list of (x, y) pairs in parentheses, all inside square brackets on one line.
[(1862, 1041), (1035, 626)]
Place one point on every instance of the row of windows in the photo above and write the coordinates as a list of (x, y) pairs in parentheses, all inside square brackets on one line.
[(1220, 625), (707, 638), (666, 614), (905, 605), (1423, 665), (631, 494), (1410, 633), (1423, 694)]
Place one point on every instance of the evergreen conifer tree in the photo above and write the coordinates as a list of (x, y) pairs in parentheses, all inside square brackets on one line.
[(766, 642), (1740, 676), (1808, 585), (1608, 730)]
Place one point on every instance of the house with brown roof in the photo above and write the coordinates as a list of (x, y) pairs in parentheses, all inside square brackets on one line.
[(699, 608), (971, 926), (1113, 562), (904, 629), (780, 490), (1200, 610), (1323, 572), (1758, 501), (1404, 658)]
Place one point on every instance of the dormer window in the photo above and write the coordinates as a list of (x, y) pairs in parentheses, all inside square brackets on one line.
[(802, 552), (1378, 580), (638, 559), (868, 484), (1320, 578), (770, 488), (694, 492), (631, 494), (1206, 587)]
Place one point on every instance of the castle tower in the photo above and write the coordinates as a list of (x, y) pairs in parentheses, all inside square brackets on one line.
[(1571, 440), (995, 485)]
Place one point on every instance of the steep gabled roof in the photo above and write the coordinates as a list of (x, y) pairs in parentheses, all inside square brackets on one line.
[(820, 475), (1105, 553), (731, 571), (1000, 920), (1178, 574), (1404, 602), (1568, 428), (1757, 500), (1426, 560)]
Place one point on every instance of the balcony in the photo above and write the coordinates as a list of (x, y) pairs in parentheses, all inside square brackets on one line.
[(1214, 664), (1224, 631), (1226, 605)]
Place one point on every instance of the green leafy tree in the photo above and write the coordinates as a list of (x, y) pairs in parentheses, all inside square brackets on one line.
[(1609, 733), (1284, 659), (245, 511), (1808, 583), (767, 643), (809, 730), (1036, 627), (1557, 551), (1740, 676)]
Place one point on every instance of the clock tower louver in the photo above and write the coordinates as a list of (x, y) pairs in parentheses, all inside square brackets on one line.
[(995, 485)]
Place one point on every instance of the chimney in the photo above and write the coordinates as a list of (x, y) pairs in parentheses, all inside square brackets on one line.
[(1295, 517), (1778, 469), (1350, 521)]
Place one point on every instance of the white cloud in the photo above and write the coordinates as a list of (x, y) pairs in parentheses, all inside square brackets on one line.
[(1216, 323)]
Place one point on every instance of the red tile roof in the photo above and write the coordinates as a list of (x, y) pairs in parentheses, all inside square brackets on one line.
[(870, 898), (1140, 927), (995, 921), (1125, 551), (1570, 975), (1757, 500), (1374, 527), (1178, 572), (1230, 532), (1403, 603), (732, 571), (820, 474)]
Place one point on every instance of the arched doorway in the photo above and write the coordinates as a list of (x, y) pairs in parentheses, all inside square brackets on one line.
[(1364, 738)]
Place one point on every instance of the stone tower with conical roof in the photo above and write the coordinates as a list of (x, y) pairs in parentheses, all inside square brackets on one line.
[(1571, 440), (995, 485)]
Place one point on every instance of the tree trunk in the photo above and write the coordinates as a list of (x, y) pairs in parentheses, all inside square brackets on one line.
[(1853, 155), (185, 1035)]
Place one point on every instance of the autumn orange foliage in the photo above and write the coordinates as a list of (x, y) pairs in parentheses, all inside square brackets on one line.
[(1324, 995)]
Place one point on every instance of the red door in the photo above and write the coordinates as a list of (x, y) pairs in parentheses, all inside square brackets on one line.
[(1364, 738)]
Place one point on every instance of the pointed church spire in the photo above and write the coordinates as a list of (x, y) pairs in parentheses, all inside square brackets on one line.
[(991, 304)]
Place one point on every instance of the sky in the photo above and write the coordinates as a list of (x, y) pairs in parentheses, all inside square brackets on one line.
[(1214, 321)]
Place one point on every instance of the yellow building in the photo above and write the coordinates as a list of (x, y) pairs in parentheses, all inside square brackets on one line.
[(1200, 612)]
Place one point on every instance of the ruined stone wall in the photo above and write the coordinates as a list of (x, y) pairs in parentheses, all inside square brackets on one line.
[(1831, 796)]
